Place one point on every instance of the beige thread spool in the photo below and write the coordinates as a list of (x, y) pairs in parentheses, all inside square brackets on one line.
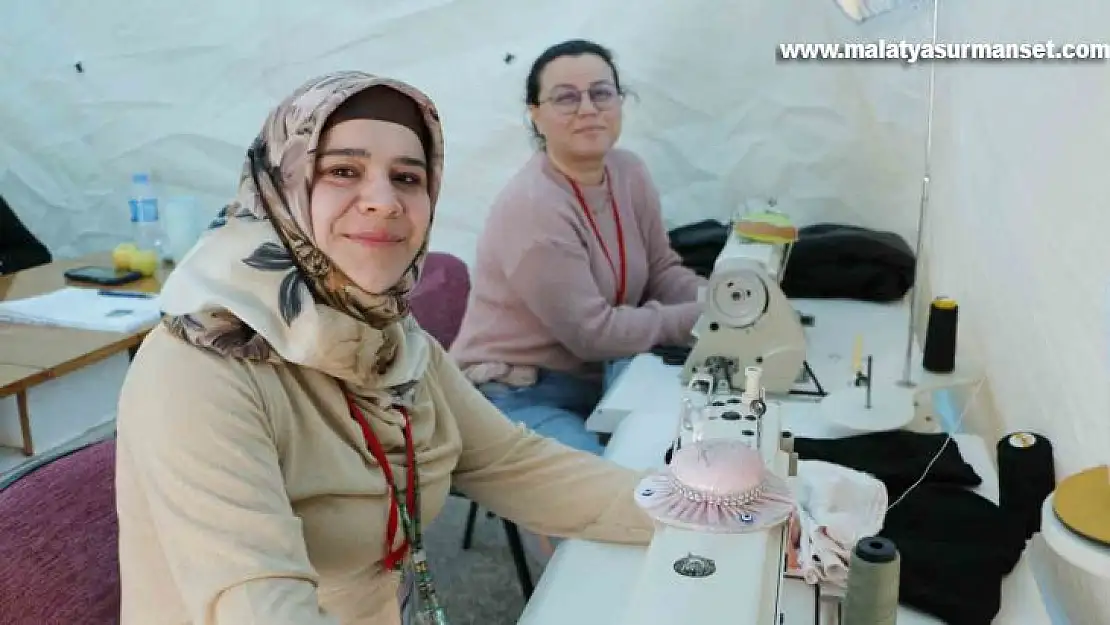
[(873, 576)]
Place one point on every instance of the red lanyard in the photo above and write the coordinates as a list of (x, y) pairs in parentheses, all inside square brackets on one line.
[(621, 277), (392, 556)]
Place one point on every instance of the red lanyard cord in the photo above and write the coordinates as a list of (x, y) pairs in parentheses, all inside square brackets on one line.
[(393, 556), (621, 276)]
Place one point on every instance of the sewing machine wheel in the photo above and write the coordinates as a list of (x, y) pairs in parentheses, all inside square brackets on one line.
[(740, 298)]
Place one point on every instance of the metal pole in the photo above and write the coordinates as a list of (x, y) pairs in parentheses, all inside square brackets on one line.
[(869, 382), (907, 366)]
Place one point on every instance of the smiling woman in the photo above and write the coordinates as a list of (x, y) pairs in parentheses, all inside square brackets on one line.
[(370, 204), (288, 432), (575, 102)]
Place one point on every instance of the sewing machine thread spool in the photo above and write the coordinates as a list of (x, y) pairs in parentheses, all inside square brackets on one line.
[(1026, 476), (787, 442), (752, 383), (940, 336), (873, 576)]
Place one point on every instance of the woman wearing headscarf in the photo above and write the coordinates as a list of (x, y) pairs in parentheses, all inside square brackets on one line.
[(288, 431)]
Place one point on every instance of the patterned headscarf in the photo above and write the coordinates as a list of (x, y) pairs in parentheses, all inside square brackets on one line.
[(257, 287)]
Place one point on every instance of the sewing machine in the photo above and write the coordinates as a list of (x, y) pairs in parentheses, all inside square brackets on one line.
[(747, 319), (702, 577)]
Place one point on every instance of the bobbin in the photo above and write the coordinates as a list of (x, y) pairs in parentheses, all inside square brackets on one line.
[(753, 388)]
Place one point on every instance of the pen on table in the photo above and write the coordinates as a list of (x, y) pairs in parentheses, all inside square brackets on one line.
[(131, 294)]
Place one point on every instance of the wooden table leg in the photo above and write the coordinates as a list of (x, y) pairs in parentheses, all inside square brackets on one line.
[(24, 422)]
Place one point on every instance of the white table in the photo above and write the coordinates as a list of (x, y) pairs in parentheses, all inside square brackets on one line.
[(1085, 554), (588, 583), (830, 344)]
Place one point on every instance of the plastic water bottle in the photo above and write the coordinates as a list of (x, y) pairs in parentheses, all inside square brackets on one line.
[(145, 225)]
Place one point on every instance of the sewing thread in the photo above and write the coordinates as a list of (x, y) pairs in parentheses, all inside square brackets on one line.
[(873, 575), (940, 336), (1026, 476)]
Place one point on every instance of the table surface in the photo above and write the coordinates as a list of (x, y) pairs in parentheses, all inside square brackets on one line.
[(588, 582), (13, 375), (60, 350), (881, 330)]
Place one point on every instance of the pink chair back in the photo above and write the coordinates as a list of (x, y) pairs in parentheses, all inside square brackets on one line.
[(58, 548), (439, 300)]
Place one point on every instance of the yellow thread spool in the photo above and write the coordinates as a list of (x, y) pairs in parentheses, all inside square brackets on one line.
[(857, 355), (939, 353)]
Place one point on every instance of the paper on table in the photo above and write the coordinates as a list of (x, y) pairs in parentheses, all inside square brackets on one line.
[(83, 309)]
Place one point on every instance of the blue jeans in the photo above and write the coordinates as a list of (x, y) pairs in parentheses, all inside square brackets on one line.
[(557, 406)]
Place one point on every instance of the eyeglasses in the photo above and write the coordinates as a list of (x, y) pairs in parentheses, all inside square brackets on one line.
[(567, 100)]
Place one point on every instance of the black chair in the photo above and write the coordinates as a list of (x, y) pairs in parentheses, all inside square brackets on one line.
[(512, 535)]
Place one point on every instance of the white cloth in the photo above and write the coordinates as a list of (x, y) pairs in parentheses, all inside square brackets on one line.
[(863, 10), (836, 508)]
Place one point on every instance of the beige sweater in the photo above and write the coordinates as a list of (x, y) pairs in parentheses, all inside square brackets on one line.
[(246, 494)]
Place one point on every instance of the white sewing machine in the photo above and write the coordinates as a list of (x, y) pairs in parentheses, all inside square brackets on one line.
[(702, 577), (747, 319)]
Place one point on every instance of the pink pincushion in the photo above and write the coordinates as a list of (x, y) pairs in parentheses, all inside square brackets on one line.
[(717, 486), (720, 469)]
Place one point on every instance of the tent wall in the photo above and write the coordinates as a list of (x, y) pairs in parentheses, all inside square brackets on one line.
[(181, 90), (1018, 236)]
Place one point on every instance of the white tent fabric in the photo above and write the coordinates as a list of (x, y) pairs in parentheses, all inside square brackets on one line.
[(1015, 223), (182, 90), (1017, 235), (863, 10)]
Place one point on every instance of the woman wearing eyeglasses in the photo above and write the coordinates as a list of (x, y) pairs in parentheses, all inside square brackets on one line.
[(574, 270)]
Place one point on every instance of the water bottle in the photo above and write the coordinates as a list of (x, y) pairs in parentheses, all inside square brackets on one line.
[(145, 226)]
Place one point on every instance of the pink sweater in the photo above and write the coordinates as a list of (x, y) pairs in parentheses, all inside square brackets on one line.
[(544, 292)]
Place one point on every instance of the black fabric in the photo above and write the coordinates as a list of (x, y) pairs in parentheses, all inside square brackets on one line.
[(849, 262), (19, 249), (956, 546), (897, 459), (699, 244), (828, 260)]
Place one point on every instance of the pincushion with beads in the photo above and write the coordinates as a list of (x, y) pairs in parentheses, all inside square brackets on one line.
[(716, 486)]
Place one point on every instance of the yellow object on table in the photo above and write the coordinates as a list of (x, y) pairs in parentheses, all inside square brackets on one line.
[(128, 257), (857, 355), (1082, 503), (121, 256), (767, 227)]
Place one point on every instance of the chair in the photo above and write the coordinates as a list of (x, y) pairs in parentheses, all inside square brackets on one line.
[(439, 302), (58, 547)]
